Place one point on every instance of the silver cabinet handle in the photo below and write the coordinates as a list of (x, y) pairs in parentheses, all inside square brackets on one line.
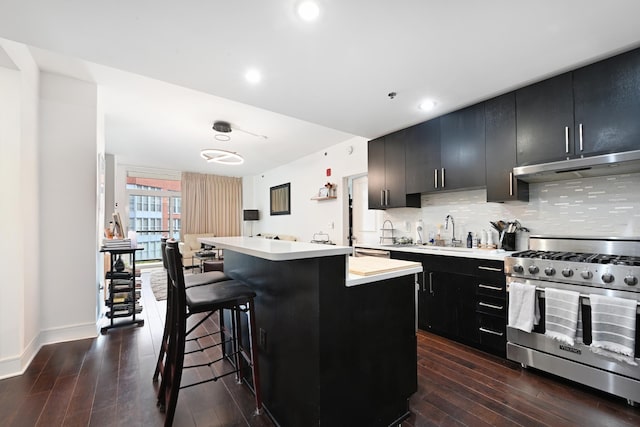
[(580, 127), (489, 331), (431, 282), (442, 184), (482, 267), (386, 197), (493, 288), (435, 178), (511, 183), (381, 197), (495, 307), (566, 139)]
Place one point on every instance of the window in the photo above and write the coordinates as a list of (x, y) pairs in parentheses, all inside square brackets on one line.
[(154, 212)]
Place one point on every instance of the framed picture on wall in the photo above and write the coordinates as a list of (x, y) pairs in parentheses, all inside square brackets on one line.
[(280, 199)]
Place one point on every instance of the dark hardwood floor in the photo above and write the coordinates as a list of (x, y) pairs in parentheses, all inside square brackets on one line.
[(107, 382)]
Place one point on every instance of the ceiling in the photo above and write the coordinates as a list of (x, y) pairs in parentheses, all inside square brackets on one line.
[(167, 70)]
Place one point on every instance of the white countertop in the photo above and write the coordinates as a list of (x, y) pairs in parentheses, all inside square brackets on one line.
[(496, 254), (275, 250), (284, 250)]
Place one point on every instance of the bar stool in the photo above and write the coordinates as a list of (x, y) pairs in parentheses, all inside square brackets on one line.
[(190, 281), (232, 295)]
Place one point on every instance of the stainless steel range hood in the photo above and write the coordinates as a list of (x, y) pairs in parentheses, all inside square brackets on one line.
[(605, 164)]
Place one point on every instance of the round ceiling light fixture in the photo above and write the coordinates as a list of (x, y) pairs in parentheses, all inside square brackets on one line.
[(223, 157), (221, 126), (308, 11)]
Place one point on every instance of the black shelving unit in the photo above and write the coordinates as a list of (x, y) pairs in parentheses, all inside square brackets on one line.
[(123, 297)]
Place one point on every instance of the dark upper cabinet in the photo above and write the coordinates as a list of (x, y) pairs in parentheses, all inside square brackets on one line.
[(607, 105), (376, 173), (462, 149), (500, 139), (589, 111), (386, 163), (544, 118), (422, 156)]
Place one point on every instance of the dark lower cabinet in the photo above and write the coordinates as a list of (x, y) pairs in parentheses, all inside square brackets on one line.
[(463, 299), (491, 312), (450, 306)]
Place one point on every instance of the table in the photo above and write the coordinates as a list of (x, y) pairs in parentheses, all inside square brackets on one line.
[(204, 255)]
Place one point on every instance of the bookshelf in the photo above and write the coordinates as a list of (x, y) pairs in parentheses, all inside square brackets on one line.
[(123, 288)]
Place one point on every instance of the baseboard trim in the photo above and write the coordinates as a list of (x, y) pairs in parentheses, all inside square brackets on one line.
[(14, 366)]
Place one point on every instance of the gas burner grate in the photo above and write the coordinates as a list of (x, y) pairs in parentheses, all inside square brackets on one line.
[(580, 257)]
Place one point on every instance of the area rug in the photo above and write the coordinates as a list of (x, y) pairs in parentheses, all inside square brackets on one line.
[(158, 281)]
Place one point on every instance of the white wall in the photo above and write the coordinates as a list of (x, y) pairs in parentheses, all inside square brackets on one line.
[(19, 288), (306, 176), (11, 224), (68, 174)]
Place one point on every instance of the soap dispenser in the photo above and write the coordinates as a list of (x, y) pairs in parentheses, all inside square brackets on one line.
[(469, 240)]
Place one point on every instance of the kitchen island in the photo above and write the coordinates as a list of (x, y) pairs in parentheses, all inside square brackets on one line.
[(335, 348)]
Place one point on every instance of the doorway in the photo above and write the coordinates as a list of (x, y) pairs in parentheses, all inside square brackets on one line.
[(363, 223)]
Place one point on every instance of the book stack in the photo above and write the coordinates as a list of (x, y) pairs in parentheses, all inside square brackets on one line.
[(116, 244)]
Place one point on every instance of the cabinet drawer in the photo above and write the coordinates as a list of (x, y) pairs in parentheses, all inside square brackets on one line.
[(493, 336), (491, 289), (492, 306)]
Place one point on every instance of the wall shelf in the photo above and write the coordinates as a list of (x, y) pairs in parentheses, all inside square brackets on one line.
[(324, 198)]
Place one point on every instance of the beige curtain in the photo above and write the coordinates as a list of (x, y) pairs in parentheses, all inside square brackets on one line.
[(211, 204)]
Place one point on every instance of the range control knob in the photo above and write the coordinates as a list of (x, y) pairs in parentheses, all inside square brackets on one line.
[(518, 268), (533, 269), (567, 272), (607, 278), (631, 280), (549, 271), (586, 275)]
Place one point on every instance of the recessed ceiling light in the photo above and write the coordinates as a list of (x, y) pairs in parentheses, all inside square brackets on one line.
[(253, 76), (221, 156), (427, 105), (308, 10)]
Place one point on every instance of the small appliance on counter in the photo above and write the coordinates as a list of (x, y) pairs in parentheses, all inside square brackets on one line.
[(322, 238)]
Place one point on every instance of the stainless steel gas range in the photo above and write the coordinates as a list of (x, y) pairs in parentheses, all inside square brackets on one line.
[(587, 265)]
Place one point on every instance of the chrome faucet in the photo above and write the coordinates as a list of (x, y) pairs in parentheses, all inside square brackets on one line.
[(454, 242)]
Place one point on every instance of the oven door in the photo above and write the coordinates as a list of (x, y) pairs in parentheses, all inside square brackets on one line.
[(577, 362)]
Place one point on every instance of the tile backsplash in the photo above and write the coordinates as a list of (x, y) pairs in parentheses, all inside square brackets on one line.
[(602, 206)]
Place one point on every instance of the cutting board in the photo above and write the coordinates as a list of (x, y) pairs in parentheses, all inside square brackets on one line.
[(368, 265)]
